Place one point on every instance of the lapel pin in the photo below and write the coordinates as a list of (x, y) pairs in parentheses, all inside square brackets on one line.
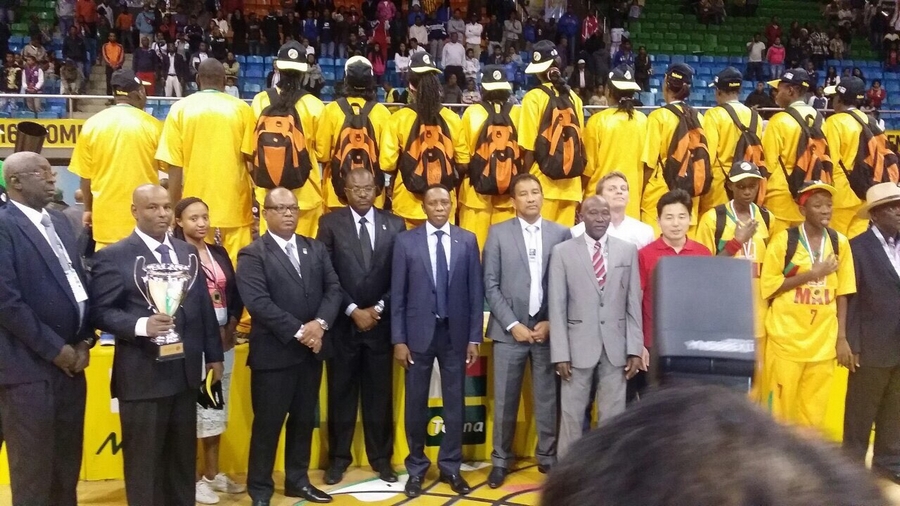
[(304, 251), (383, 227)]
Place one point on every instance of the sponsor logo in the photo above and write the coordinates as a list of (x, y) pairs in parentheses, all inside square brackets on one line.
[(474, 426), (726, 346)]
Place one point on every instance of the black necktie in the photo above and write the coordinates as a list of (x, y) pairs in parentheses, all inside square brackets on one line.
[(164, 256), (365, 242), (441, 277)]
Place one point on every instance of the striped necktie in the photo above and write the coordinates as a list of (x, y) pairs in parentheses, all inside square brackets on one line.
[(599, 264)]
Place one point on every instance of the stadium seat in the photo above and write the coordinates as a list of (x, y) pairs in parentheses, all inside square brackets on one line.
[(681, 48), (720, 60), (240, 59), (699, 83), (892, 87), (255, 88), (254, 73), (875, 74), (655, 83), (663, 58), (329, 76), (677, 58), (255, 60), (327, 62), (339, 73), (704, 71), (707, 59), (268, 60), (693, 59), (24, 115)]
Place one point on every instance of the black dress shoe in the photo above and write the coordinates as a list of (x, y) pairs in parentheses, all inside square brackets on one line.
[(413, 486), (497, 477), (309, 492), (543, 469), (333, 475), (457, 483), (386, 473), (260, 502)]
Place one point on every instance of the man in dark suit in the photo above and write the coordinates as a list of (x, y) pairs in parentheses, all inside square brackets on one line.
[(157, 399), (516, 260), (871, 349), (44, 338), (437, 301), (360, 240), (293, 295)]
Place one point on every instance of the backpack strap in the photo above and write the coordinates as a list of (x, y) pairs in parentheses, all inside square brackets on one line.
[(720, 226), (793, 239), (272, 93), (735, 119), (766, 216), (835, 244)]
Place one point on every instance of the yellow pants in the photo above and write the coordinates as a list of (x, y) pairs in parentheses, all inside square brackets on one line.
[(798, 391), (478, 221), (307, 222), (760, 384), (845, 221), (559, 211)]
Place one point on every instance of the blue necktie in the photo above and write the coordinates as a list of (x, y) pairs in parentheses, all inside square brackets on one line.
[(441, 277), (164, 256)]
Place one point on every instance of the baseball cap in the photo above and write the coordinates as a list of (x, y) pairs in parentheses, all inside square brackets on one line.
[(622, 78), (292, 56), (680, 72), (744, 170), (809, 187), (849, 87), (422, 63), (729, 79), (124, 81), (358, 72), (543, 57), (494, 78), (795, 77)]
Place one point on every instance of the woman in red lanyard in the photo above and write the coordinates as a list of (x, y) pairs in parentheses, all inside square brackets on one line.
[(192, 226)]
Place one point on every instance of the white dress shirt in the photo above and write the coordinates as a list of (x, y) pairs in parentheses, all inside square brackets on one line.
[(370, 226), (603, 246), (892, 251), (630, 230), (432, 246), (283, 245), (140, 328), (534, 250), (454, 54)]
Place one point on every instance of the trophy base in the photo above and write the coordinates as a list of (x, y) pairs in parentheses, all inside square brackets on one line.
[(169, 347)]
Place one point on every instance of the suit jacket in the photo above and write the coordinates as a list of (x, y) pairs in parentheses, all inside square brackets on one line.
[(361, 286), (117, 304), (38, 311), (181, 66), (583, 321), (589, 81), (507, 279), (232, 296), (873, 313), (413, 294), (280, 301)]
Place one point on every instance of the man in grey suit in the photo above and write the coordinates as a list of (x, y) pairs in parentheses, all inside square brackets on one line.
[(595, 319), (516, 256)]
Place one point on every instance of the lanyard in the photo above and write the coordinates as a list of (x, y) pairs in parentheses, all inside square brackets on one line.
[(816, 257), (747, 246)]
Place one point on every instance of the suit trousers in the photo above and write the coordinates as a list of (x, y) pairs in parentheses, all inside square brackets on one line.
[(292, 392), (173, 86), (873, 395), (44, 429), (418, 379), (360, 373), (575, 395), (159, 441), (509, 371)]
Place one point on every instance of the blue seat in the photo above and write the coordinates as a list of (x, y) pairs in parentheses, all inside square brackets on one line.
[(24, 115), (240, 59), (339, 73), (268, 60), (699, 83), (707, 59), (255, 60), (720, 60), (875, 74), (526, 56), (340, 62), (692, 58), (735, 60), (329, 77), (254, 73), (48, 115), (833, 63), (255, 88), (326, 62), (655, 83), (892, 87), (652, 58), (677, 58), (663, 58), (704, 71)]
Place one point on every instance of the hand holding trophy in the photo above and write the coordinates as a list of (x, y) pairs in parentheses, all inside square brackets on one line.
[(165, 286)]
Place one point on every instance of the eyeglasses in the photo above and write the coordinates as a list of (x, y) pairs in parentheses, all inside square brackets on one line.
[(283, 209), (43, 173), (361, 191)]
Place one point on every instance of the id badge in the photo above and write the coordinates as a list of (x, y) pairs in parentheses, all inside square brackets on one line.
[(77, 287)]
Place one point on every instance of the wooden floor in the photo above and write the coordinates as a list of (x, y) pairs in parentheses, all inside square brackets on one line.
[(360, 487)]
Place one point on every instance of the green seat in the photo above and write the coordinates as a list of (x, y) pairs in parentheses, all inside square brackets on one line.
[(676, 17), (684, 37), (694, 48), (652, 47), (666, 48), (675, 27), (46, 16), (648, 26), (679, 48), (670, 37), (635, 27), (711, 41), (698, 37)]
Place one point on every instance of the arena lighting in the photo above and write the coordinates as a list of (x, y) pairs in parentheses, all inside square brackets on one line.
[(703, 321)]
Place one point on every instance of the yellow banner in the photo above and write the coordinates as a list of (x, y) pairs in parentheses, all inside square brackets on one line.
[(893, 137), (61, 133)]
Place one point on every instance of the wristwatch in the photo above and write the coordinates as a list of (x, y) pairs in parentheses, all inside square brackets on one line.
[(379, 308), (322, 323)]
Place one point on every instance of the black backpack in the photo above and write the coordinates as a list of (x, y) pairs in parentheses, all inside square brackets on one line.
[(720, 224), (748, 149), (793, 240)]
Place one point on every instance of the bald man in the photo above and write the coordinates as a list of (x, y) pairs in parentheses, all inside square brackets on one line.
[(44, 338), (157, 398), (293, 295)]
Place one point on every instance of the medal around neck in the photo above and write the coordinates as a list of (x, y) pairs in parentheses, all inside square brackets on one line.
[(164, 287)]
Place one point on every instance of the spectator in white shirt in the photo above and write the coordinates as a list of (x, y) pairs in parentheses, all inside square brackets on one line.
[(401, 62), (614, 188), (419, 31), (512, 32), (473, 35), (453, 57), (231, 87), (456, 25), (755, 51), (472, 66), (471, 95), (415, 47)]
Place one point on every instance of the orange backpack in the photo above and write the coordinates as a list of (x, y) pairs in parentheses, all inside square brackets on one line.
[(559, 150), (428, 157), (875, 163), (356, 147), (687, 163), (748, 149), (497, 156), (280, 154), (813, 162)]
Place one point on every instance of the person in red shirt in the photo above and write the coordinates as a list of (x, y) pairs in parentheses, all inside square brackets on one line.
[(674, 210), (87, 9), (773, 31), (876, 94)]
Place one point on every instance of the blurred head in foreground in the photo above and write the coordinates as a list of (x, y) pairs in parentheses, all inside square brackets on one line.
[(704, 446)]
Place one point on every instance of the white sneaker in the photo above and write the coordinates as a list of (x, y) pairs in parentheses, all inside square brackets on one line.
[(222, 483), (205, 494)]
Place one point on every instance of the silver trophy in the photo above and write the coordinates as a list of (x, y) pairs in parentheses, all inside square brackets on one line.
[(164, 287)]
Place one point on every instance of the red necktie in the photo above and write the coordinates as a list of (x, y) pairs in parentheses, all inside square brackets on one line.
[(599, 264)]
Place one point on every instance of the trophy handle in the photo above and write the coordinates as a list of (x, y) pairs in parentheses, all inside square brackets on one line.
[(139, 264), (194, 266)]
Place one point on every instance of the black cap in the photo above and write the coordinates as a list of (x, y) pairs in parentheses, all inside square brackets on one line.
[(292, 56), (422, 63), (124, 81), (852, 88), (680, 72), (358, 72), (493, 77), (729, 79), (622, 78), (744, 170), (794, 77), (543, 57)]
